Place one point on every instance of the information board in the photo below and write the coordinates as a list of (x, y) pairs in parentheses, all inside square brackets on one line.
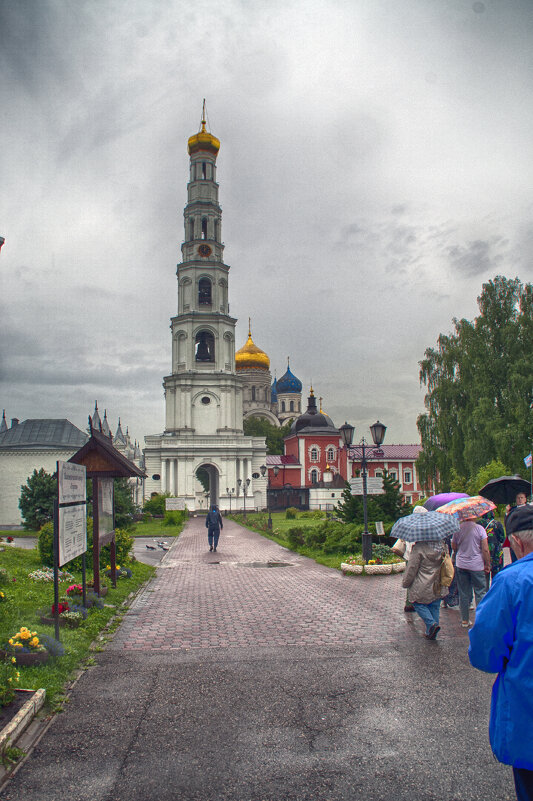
[(374, 486), (71, 482), (174, 504), (72, 532), (106, 521)]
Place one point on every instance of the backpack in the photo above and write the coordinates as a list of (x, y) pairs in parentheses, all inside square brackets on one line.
[(212, 518)]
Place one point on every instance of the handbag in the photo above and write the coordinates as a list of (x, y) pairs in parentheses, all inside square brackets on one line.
[(446, 573), (399, 547)]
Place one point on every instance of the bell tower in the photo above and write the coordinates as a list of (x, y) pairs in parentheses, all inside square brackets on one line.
[(203, 391), (203, 333)]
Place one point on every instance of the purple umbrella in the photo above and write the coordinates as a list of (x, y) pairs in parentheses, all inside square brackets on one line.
[(445, 497)]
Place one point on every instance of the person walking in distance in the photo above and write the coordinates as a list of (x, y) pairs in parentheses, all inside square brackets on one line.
[(501, 642), (213, 523)]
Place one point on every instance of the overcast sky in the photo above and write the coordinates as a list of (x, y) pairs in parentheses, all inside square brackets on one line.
[(375, 169)]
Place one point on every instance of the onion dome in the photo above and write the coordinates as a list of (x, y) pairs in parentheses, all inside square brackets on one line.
[(288, 383), (274, 392), (313, 421), (250, 357), (203, 140)]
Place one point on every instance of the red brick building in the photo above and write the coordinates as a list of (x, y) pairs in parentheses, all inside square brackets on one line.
[(315, 445)]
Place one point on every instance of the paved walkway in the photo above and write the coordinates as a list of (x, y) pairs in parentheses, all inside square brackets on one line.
[(231, 598), (233, 682)]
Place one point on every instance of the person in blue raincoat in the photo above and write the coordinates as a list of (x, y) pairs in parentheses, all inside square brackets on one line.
[(501, 642)]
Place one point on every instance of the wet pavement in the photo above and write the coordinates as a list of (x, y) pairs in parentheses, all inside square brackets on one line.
[(231, 678)]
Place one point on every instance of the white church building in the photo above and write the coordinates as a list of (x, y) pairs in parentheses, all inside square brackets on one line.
[(204, 392)]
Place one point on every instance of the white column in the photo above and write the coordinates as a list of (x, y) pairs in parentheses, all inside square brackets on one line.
[(172, 482), (163, 475)]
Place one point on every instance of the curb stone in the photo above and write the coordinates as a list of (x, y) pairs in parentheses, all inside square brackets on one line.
[(23, 718)]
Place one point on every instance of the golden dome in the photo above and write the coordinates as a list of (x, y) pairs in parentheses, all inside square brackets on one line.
[(203, 140), (250, 357)]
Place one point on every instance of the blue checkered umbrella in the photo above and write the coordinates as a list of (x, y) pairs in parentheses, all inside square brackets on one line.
[(426, 527)]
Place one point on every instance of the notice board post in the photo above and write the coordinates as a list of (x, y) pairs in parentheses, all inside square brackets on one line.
[(104, 463), (70, 524)]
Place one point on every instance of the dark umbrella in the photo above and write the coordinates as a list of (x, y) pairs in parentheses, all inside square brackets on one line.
[(436, 501), (505, 488)]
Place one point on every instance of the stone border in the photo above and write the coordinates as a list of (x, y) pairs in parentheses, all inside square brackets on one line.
[(12, 731), (372, 570)]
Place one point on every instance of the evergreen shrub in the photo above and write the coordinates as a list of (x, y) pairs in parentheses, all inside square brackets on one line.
[(175, 517), (156, 505), (291, 513)]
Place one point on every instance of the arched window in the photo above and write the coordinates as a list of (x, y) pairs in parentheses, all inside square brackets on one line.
[(191, 229), (204, 347), (330, 454), (291, 408), (314, 454), (253, 393), (314, 476), (204, 292), (204, 174), (215, 230), (282, 406), (204, 227)]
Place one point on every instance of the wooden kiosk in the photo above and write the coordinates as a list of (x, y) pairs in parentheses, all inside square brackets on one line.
[(104, 463)]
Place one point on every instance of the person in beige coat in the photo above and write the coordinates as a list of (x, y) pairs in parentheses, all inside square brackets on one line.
[(423, 570)]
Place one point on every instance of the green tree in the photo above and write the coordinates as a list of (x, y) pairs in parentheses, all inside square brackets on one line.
[(124, 506), (478, 382), (392, 503), (37, 499), (493, 469), (386, 507), (260, 427), (156, 504), (350, 507)]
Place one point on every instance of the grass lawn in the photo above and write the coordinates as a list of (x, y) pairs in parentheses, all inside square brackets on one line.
[(22, 533), (25, 597), (155, 528), (280, 525)]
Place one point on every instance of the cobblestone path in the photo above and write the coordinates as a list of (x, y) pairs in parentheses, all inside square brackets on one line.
[(231, 598)]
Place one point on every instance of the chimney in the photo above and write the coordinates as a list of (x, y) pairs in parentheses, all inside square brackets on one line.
[(14, 422)]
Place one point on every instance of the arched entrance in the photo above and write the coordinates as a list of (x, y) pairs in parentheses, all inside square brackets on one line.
[(207, 486)]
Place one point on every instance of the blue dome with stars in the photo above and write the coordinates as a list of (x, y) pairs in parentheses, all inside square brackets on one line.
[(288, 384)]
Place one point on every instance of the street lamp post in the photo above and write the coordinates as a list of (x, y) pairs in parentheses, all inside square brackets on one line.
[(230, 492), (244, 484), (364, 451), (264, 472)]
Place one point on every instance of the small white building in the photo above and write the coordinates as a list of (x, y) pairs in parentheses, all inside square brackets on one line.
[(28, 446)]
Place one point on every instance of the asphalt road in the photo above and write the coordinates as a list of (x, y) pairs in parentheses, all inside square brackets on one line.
[(233, 681)]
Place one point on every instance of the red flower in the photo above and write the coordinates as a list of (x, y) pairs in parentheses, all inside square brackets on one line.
[(10, 539), (61, 608)]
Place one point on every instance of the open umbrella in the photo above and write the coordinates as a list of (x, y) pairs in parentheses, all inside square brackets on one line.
[(467, 508), (439, 500), (505, 488), (427, 527)]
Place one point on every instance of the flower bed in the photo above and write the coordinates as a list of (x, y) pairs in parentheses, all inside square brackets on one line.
[(373, 570)]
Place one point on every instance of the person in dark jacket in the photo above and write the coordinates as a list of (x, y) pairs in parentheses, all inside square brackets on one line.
[(213, 523), (501, 642)]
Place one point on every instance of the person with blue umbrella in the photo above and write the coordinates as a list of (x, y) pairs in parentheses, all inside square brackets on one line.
[(422, 576)]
